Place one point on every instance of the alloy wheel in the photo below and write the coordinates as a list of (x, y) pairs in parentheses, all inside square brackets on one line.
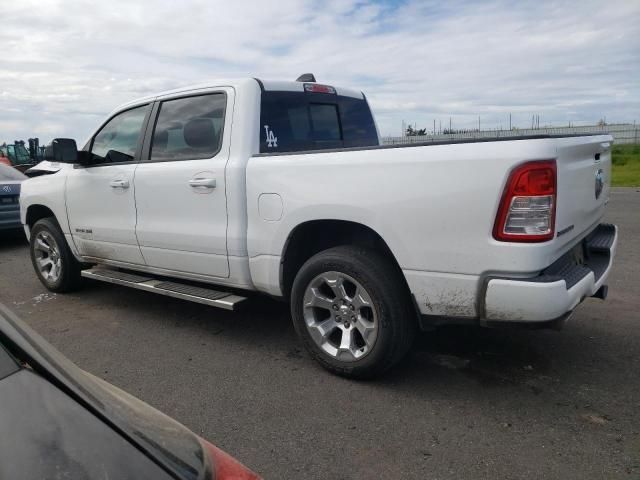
[(340, 316), (47, 256)]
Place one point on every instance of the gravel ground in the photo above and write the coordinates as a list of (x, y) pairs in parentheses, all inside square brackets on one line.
[(467, 402)]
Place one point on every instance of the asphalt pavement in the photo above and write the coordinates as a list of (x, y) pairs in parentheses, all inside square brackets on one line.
[(467, 403)]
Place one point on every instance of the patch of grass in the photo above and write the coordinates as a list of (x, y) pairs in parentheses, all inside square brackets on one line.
[(625, 169)]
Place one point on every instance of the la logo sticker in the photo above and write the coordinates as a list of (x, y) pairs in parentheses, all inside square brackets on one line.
[(272, 140)]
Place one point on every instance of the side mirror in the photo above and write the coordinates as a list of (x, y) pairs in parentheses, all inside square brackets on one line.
[(62, 150)]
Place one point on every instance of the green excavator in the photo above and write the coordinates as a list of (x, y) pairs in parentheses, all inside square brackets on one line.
[(20, 156)]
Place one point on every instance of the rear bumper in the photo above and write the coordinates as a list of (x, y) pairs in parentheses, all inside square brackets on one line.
[(558, 289)]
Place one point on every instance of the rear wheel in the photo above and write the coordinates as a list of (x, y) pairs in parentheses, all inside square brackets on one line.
[(351, 309), (55, 265)]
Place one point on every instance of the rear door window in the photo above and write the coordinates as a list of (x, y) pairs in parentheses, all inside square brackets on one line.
[(189, 128)]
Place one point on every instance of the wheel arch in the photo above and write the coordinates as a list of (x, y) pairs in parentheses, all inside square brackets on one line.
[(37, 212), (314, 236)]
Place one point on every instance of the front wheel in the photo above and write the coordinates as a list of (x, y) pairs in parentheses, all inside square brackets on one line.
[(352, 310), (55, 265)]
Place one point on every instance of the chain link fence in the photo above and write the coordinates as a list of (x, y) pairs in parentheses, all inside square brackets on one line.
[(622, 133)]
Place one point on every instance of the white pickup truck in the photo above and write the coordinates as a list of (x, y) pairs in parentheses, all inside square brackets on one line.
[(283, 188)]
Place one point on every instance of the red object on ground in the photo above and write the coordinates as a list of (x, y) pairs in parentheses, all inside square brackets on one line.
[(226, 467)]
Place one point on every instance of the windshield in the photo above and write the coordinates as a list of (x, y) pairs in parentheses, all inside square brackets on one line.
[(10, 174)]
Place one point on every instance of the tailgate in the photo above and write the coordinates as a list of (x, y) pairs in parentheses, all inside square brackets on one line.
[(584, 180)]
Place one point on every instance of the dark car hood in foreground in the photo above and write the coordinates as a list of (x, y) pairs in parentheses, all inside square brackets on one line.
[(45, 434), (85, 408)]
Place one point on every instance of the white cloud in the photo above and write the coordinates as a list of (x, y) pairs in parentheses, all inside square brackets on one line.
[(67, 63)]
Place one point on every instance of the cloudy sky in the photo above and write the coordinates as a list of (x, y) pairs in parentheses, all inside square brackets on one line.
[(67, 63)]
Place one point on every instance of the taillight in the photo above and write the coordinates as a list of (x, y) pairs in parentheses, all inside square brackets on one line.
[(225, 467), (528, 206)]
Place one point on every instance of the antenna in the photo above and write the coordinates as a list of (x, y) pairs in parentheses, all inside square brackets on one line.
[(306, 77)]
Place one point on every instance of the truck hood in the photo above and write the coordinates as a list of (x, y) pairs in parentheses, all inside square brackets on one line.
[(46, 168)]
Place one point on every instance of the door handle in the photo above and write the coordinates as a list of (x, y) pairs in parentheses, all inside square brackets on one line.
[(119, 184), (202, 183)]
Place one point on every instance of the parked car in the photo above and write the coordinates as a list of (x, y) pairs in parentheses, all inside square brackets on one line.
[(283, 188), (10, 181), (62, 422)]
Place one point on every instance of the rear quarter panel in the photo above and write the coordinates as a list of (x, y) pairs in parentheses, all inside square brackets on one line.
[(434, 206)]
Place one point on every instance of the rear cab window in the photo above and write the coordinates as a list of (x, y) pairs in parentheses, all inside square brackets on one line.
[(314, 120)]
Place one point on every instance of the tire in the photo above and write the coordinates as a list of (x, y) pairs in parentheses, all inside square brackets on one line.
[(57, 268), (372, 327)]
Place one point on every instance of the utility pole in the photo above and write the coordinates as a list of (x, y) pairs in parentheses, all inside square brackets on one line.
[(478, 122), (450, 125), (509, 122)]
